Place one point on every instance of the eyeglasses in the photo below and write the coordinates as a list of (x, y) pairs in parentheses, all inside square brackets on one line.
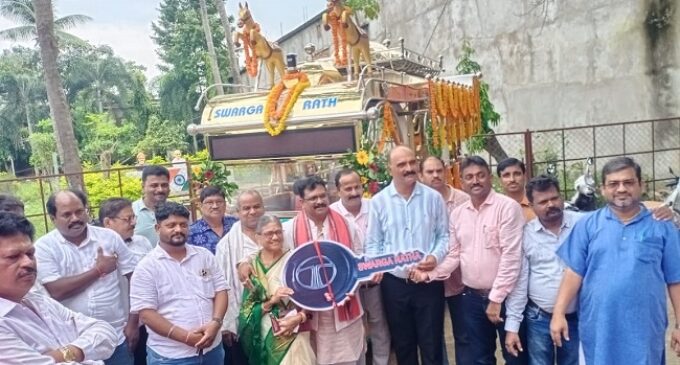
[(271, 234), (129, 219), (613, 185)]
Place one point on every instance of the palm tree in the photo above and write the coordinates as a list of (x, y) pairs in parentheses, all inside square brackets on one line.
[(23, 12), (59, 110), (217, 78)]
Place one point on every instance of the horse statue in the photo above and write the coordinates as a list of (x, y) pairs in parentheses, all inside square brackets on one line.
[(346, 33), (256, 46), (584, 200)]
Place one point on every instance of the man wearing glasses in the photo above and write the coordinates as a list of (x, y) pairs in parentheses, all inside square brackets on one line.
[(214, 224), (82, 266)]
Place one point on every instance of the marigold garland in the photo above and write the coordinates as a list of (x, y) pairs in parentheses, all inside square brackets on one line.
[(389, 129), (339, 38), (433, 113), (272, 110), (249, 52)]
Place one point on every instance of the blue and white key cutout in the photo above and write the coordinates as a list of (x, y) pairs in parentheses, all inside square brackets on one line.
[(338, 268)]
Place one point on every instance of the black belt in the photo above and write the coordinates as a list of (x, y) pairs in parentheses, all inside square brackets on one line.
[(569, 316), (484, 293)]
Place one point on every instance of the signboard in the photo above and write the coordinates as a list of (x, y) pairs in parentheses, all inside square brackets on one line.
[(319, 270)]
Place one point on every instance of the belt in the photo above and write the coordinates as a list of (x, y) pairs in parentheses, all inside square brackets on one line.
[(573, 316), (484, 293)]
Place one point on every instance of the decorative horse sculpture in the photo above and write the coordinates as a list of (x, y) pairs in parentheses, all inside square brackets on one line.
[(584, 200), (346, 33), (256, 46)]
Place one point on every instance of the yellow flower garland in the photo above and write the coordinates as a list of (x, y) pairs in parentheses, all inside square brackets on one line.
[(271, 107)]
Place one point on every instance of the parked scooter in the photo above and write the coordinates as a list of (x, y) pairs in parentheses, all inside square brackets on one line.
[(584, 200)]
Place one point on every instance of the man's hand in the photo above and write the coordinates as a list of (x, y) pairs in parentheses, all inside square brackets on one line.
[(59, 357), (675, 341), (493, 312), (428, 264), (131, 332), (106, 264), (418, 276), (228, 338), (244, 271), (558, 329), (663, 213), (287, 325), (194, 337), (513, 344), (377, 278), (209, 332), (281, 293)]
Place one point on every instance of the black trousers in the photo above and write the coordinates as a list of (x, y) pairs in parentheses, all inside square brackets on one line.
[(233, 355), (415, 315), (140, 351)]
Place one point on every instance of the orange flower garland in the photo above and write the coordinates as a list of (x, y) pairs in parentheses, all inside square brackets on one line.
[(339, 39), (280, 113), (389, 130), (251, 58), (433, 113)]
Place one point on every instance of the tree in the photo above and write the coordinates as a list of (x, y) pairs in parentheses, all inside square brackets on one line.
[(231, 53), (43, 147), (59, 110), (490, 118), (107, 142), (212, 56), (370, 8), (162, 137), (23, 12)]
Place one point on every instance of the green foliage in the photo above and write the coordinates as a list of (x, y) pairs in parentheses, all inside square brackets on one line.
[(370, 8), (161, 137), (43, 146), (200, 156), (213, 173), (107, 141), (490, 118), (99, 187), (371, 166)]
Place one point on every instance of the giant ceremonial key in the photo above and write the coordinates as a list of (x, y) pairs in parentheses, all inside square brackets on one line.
[(322, 273)]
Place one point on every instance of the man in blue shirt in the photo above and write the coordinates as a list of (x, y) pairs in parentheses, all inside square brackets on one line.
[(408, 215), (214, 224), (622, 260)]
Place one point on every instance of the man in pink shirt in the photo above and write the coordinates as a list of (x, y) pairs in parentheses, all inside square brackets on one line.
[(486, 243)]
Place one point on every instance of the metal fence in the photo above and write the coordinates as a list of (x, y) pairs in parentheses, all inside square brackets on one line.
[(654, 144)]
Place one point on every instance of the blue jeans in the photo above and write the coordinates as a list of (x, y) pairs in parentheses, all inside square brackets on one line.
[(121, 356), (212, 357), (539, 344), (481, 350)]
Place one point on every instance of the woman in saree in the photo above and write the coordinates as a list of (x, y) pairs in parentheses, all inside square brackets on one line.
[(267, 305)]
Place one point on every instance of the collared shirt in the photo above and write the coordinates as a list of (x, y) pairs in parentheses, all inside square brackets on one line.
[(200, 233), (57, 258), (360, 221), (396, 224), (182, 292), (527, 210), (40, 324), (454, 284), (139, 246), (487, 244), (542, 270), (232, 249), (626, 269), (146, 221)]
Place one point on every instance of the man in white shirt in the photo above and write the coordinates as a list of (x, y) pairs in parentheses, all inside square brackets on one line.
[(35, 329), (180, 294), (237, 245), (81, 266), (354, 209), (116, 214)]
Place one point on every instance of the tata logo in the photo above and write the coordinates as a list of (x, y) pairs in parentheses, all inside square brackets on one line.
[(310, 273)]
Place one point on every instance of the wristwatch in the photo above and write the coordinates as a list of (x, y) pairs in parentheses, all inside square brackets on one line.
[(67, 354)]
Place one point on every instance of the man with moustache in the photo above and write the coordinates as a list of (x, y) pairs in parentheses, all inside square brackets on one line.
[(338, 333), (620, 263), (512, 174), (238, 245), (486, 242), (116, 214), (405, 216), (34, 328), (432, 174), (540, 278), (180, 294), (354, 208), (155, 190), (82, 267), (214, 224)]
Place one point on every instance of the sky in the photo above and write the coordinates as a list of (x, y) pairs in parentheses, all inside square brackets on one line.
[(125, 25)]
